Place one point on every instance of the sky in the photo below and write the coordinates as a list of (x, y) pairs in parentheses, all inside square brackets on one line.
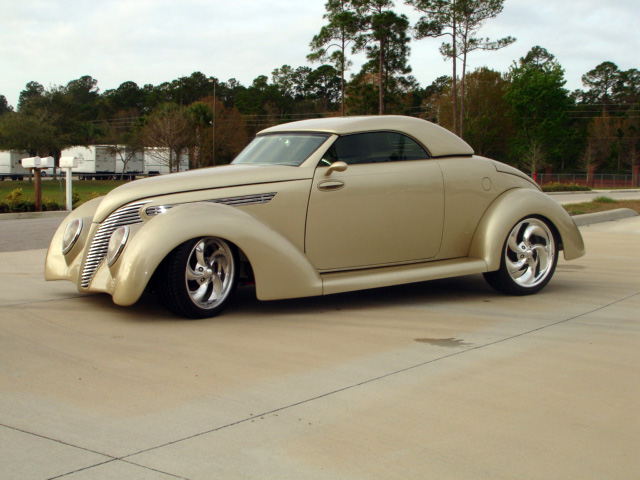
[(153, 41)]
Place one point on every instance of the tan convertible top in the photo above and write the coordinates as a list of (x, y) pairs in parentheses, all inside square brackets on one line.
[(438, 141)]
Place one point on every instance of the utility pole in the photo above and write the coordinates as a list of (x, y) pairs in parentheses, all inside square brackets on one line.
[(213, 126)]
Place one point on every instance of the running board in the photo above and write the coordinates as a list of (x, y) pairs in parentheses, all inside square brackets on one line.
[(398, 275)]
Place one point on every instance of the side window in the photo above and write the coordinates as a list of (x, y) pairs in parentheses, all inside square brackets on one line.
[(374, 147)]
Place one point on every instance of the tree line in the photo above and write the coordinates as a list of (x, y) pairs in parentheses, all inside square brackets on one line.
[(524, 116)]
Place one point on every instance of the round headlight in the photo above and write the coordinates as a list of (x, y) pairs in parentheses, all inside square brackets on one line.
[(71, 234), (116, 244)]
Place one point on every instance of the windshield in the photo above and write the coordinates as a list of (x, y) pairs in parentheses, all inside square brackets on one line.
[(281, 149)]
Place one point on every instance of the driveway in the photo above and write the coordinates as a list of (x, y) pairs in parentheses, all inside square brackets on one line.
[(443, 380)]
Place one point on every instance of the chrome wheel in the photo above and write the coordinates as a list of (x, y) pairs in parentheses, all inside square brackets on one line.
[(210, 272), (198, 278), (528, 258), (530, 252)]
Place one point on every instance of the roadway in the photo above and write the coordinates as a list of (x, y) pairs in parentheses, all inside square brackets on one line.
[(445, 379)]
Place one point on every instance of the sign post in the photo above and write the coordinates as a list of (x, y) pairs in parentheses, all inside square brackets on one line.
[(37, 164), (33, 164), (68, 163)]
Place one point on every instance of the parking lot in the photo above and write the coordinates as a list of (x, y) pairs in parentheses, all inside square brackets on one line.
[(443, 380)]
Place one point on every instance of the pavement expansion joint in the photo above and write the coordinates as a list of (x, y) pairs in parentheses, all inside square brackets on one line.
[(49, 300), (109, 459), (153, 469), (62, 442), (82, 469), (380, 377), (118, 460)]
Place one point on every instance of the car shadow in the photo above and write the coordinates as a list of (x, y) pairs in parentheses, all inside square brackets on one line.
[(471, 288), (245, 303)]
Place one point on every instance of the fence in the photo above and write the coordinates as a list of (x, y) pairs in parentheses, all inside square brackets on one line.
[(597, 180)]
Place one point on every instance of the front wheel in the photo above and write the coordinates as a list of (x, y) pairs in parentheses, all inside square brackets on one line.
[(529, 258), (198, 278)]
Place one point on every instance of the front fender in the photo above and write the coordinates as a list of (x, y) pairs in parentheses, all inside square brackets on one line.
[(67, 267), (509, 208), (280, 269)]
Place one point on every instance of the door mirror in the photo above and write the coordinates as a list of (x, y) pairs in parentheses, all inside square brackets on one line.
[(336, 167)]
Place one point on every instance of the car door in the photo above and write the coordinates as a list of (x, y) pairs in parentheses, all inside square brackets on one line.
[(386, 207)]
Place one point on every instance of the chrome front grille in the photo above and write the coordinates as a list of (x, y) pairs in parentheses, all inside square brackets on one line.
[(127, 215), (232, 201), (130, 214)]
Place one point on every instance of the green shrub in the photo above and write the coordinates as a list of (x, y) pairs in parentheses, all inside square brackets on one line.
[(49, 205), (15, 196), (16, 203), (22, 206), (564, 187), (604, 200)]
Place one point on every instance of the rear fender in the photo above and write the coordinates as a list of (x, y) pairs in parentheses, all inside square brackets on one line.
[(280, 269), (511, 207)]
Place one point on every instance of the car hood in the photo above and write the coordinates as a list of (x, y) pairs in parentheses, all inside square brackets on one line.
[(200, 179)]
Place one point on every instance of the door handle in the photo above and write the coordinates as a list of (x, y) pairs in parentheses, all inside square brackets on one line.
[(329, 185)]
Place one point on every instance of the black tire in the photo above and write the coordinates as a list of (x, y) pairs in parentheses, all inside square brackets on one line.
[(198, 278), (528, 260)]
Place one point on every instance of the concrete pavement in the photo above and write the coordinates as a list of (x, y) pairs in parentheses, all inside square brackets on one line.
[(445, 379), (27, 233)]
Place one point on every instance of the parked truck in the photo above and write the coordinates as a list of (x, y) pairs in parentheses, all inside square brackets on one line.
[(156, 161), (129, 162), (95, 162), (10, 166), (104, 162)]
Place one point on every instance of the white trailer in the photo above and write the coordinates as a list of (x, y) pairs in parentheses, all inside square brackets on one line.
[(156, 161), (10, 166), (129, 162), (95, 162)]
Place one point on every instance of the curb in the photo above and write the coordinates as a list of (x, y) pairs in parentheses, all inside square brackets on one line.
[(608, 216), (594, 192), (32, 215), (619, 190)]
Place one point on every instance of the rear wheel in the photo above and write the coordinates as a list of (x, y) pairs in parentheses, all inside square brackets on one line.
[(198, 278), (529, 258)]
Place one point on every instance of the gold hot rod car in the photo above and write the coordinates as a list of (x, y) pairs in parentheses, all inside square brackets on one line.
[(317, 207)]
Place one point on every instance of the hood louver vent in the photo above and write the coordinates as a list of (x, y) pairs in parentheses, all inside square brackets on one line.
[(240, 201)]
